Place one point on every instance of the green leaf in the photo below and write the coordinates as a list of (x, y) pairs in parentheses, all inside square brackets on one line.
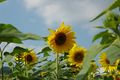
[(100, 27), (113, 52), (91, 54), (23, 78), (10, 40), (8, 28), (46, 51), (30, 36), (8, 33), (51, 30), (6, 53), (114, 5), (50, 66), (42, 59), (10, 64), (2, 1), (44, 38), (46, 54), (8, 58), (108, 39), (99, 35), (18, 50), (1, 64)]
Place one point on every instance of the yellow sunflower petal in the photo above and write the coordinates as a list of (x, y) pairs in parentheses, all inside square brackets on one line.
[(104, 60), (76, 55), (62, 40), (29, 57)]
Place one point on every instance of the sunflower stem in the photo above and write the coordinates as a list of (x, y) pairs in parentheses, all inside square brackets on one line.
[(1, 52), (57, 66), (26, 68)]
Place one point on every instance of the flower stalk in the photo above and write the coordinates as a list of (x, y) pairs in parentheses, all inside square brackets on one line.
[(57, 66), (1, 52)]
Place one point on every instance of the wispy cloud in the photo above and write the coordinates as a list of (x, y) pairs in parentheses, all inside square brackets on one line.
[(69, 11)]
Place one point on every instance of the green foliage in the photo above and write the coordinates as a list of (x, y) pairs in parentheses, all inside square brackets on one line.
[(18, 50), (46, 51), (8, 58), (0, 64), (91, 54), (2, 1), (113, 51), (99, 35), (10, 34), (111, 29), (115, 4)]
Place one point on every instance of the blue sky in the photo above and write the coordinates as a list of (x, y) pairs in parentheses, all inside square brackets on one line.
[(36, 16)]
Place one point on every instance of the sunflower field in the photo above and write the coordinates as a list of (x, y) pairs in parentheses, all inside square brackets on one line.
[(70, 61)]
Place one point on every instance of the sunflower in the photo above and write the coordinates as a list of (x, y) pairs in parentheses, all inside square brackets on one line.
[(19, 57), (105, 63), (76, 55), (62, 39), (29, 57), (93, 64)]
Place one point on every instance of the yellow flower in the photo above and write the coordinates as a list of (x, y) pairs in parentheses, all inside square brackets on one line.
[(76, 55), (103, 60), (29, 57), (19, 57), (93, 64), (105, 63), (62, 39)]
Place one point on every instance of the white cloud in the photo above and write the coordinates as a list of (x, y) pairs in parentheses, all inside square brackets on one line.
[(69, 11)]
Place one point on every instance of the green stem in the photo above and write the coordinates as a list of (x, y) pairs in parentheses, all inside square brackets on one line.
[(25, 67), (57, 66), (2, 51)]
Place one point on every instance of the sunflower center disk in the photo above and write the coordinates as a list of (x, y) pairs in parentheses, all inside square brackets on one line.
[(107, 61), (29, 58), (60, 39), (78, 57)]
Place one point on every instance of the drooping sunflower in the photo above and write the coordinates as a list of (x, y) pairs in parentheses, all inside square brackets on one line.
[(105, 63), (29, 57), (76, 55), (62, 39)]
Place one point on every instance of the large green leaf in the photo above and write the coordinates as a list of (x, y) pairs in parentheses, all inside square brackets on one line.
[(113, 52), (115, 4), (10, 39), (99, 35), (8, 33), (91, 54), (30, 36), (108, 39), (2, 1)]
